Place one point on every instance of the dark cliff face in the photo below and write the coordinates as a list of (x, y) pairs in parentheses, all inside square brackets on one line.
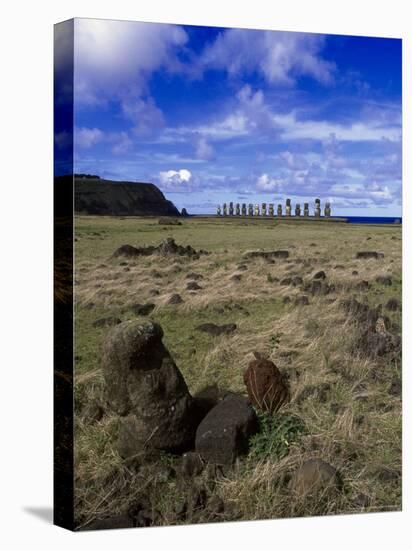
[(111, 198)]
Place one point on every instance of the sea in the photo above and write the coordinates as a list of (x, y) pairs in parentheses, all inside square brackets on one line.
[(371, 219)]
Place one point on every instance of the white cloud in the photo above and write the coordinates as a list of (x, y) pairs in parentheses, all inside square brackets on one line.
[(265, 183), (281, 57), (116, 58), (84, 138), (171, 179)]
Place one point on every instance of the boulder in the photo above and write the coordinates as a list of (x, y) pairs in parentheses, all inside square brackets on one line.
[(366, 254), (320, 275), (384, 280), (393, 304), (193, 286), (224, 433), (175, 299), (144, 387), (267, 388), (314, 475)]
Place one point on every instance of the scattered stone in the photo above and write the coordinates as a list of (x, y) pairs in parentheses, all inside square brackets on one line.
[(165, 248), (147, 390), (192, 465), (224, 433), (354, 272), (395, 387), (302, 300), (296, 281), (266, 255), (339, 266), (236, 278), (320, 275), (384, 280), (106, 321), (217, 330), (362, 501), (362, 286), (366, 254), (154, 292), (193, 286), (315, 475), (142, 309), (242, 267), (286, 300), (393, 304), (267, 388), (175, 299), (287, 281)]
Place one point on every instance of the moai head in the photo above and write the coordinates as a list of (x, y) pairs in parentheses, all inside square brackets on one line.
[(288, 207), (219, 211), (271, 211), (297, 209), (263, 209), (224, 209), (237, 209), (306, 209), (327, 209), (317, 208), (250, 212), (244, 212), (231, 209), (279, 209), (257, 210)]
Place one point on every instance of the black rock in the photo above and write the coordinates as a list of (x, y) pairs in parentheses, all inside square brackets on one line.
[(224, 433), (175, 299), (366, 254), (384, 280), (320, 275)]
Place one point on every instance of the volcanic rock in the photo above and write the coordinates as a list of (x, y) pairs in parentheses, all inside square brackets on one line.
[(266, 386), (366, 254), (315, 475), (224, 433), (144, 387)]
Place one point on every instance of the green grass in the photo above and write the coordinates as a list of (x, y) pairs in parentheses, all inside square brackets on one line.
[(311, 344)]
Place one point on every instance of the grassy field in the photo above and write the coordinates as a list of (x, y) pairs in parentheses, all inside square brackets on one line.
[(346, 399)]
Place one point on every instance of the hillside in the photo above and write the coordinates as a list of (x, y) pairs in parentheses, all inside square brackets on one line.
[(103, 197)]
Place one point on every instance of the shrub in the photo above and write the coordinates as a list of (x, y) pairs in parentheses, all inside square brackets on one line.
[(276, 435)]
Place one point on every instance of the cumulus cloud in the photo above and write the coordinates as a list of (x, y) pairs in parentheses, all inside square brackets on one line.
[(116, 58), (174, 179), (266, 183), (281, 57)]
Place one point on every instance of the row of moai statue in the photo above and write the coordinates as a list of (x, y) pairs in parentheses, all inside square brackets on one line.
[(268, 209)]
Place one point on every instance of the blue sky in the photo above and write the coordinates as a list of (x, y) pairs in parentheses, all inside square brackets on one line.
[(213, 115)]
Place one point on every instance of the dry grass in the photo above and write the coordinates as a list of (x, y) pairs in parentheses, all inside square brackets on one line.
[(352, 420)]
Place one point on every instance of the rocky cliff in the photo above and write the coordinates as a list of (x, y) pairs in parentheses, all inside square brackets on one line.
[(120, 198)]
